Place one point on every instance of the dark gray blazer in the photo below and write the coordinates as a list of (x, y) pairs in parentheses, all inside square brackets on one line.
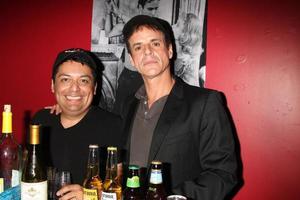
[(194, 140)]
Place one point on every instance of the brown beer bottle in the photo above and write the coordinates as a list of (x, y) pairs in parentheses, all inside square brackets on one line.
[(112, 190), (92, 185), (132, 190), (156, 190)]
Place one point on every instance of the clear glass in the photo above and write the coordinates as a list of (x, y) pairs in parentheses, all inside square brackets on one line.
[(62, 178), (51, 171)]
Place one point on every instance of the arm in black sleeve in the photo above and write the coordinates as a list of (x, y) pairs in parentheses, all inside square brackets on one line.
[(216, 151)]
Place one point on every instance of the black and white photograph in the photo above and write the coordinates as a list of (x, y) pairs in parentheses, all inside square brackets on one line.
[(119, 79)]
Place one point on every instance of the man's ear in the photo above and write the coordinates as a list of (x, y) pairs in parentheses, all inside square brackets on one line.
[(52, 86)]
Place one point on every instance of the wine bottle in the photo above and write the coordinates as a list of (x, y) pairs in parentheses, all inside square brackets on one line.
[(10, 153), (132, 190), (112, 190), (156, 190), (92, 185), (34, 178)]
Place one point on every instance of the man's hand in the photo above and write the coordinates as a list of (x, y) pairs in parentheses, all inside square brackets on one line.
[(54, 109), (70, 192)]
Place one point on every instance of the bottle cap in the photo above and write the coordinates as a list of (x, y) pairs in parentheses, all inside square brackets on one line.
[(156, 162), (134, 167), (93, 146), (7, 119), (111, 148), (7, 108)]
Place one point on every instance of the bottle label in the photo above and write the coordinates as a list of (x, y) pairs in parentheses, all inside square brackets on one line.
[(109, 196), (156, 177), (1, 185), (15, 178), (133, 182), (34, 191), (90, 194)]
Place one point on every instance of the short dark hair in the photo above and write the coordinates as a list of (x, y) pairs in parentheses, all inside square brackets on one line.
[(140, 21), (78, 55)]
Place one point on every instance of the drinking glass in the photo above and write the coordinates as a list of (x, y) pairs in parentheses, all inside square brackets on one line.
[(176, 197), (62, 178), (51, 171)]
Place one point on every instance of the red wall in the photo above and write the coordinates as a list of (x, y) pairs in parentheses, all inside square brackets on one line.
[(253, 56)]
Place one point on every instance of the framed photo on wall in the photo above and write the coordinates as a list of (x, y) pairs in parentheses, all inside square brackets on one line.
[(120, 79)]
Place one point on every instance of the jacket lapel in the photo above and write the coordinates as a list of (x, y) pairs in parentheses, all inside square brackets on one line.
[(166, 119), (130, 111)]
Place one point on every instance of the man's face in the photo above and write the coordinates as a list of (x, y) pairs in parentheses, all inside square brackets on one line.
[(149, 53), (74, 88)]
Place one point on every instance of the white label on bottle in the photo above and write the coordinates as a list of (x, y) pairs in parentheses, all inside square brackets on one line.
[(156, 177), (109, 196), (34, 191), (1, 185), (15, 178)]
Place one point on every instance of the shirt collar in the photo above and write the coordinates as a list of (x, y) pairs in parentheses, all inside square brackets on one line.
[(141, 93)]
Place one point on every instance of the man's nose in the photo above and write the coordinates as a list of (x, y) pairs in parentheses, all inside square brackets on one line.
[(148, 49), (75, 86)]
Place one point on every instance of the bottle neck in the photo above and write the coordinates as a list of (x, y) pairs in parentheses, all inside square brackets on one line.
[(93, 163), (111, 173), (111, 165), (33, 148), (92, 170), (32, 154)]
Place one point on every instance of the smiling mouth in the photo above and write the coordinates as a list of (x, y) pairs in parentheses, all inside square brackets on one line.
[(73, 98)]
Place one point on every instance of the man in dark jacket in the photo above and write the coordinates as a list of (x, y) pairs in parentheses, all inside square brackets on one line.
[(185, 127)]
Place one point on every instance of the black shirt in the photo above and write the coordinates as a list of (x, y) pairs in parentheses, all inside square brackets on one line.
[(67, 148)]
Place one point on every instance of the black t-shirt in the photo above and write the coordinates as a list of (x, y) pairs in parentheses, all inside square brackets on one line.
[(67, 148)]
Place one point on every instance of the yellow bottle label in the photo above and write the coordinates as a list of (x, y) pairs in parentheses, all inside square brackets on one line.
[(90, 194), (7, 122)]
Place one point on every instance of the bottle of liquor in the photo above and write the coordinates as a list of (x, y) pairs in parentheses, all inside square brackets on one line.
[(132, 190), (92, 185), (112, 190), (10, 153), (156, 190), (34, 178)]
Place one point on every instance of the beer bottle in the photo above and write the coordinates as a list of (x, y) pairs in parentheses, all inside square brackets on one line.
[(10, 153), (34, 177), (112, 190), (92, 185), (156, 189), (132, 190)]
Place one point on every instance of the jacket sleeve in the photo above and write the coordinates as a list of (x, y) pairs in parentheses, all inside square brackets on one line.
[(216, 151)]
